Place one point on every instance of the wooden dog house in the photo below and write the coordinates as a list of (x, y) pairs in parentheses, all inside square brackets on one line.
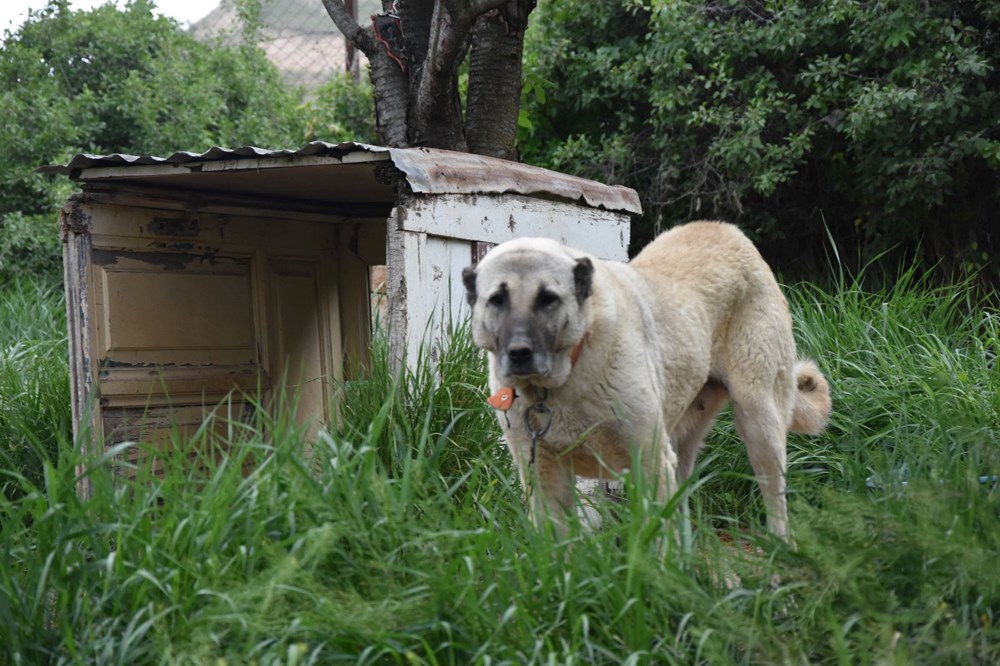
[(200, 276)]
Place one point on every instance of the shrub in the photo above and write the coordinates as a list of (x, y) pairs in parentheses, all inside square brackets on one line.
[(875, 120)]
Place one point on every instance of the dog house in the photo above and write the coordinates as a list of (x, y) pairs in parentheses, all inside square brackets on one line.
[(200, 276)]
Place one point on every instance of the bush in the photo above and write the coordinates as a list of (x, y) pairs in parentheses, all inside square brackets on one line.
[(29, 246), (125, 80), (340, 110), (875, 120)]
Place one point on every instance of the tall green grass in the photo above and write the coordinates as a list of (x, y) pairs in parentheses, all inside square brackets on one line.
[(34, 379), (400, 536)]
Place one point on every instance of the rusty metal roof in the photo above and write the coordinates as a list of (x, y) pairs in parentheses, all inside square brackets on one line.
[(425, 170), (215, 154)]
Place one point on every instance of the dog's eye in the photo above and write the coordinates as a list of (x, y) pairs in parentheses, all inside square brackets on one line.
[(546, 299), (498, 299)]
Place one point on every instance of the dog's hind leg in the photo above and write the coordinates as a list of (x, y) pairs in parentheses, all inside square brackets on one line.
[(763, 431), (689, 433)]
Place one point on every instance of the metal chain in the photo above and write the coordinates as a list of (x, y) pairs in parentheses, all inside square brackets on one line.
[(538, 408)]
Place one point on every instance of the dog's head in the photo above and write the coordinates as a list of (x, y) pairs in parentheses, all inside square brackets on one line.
[(530, 303)]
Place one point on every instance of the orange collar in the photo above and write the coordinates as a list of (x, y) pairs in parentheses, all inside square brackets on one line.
[(503, 399), (574, 353)]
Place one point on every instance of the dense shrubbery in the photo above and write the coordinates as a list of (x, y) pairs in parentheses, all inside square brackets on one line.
[(339, 110), (874, 120), (110, 80)]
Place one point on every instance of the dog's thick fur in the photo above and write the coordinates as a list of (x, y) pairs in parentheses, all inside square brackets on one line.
[(638, 358)]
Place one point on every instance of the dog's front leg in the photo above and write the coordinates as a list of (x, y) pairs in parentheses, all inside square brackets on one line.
[(659, 464), (550, 491), (547, 484)]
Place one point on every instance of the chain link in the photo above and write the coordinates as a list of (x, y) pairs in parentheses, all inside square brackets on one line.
[(538, 408)]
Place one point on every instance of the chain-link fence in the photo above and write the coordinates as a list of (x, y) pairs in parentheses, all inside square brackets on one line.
[(297, 35)]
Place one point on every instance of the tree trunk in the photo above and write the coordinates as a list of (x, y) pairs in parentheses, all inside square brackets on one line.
[(391, 92), (414, 71), (436, 109), (494, 98)]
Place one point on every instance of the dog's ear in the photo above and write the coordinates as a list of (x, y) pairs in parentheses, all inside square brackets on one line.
[(583, 278), (469, 279)]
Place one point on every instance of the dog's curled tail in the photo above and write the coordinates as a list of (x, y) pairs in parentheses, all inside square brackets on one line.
[(812, 399)]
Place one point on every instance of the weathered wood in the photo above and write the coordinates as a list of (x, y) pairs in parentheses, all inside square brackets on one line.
[(170, 308), (75, 226), (304, 353), (244, 205), (431, 269), (496, 219), (354, 312)]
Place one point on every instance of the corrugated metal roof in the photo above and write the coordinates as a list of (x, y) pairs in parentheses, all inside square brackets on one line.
[(315, 148), (448, 172), (426, 170)]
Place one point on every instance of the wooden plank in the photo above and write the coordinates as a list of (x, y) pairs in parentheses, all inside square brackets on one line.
[(178, 384), (155, 431), (366, 239), (75, 225), (354, 305), (332, 331), (397, 294), (191, 312), (158, 230), (242, 204), (495, 219), (426, 295), (480, 250), (301, 355)]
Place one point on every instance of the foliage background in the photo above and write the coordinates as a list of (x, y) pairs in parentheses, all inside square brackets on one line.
[(875, 122), (876, 125)]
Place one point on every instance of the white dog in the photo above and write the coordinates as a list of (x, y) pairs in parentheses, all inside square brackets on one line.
[(592, 360)]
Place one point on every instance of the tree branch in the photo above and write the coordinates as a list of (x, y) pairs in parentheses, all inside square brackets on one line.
[(478, 7), (349, 27), (436, 110)]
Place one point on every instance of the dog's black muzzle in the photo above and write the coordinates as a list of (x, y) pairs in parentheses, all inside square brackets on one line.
[(522, 358), (521, 361)]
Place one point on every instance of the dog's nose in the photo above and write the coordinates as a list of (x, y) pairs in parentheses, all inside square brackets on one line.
[(519, 354)]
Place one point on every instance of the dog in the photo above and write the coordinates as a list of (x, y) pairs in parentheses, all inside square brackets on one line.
[(593, 363)]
